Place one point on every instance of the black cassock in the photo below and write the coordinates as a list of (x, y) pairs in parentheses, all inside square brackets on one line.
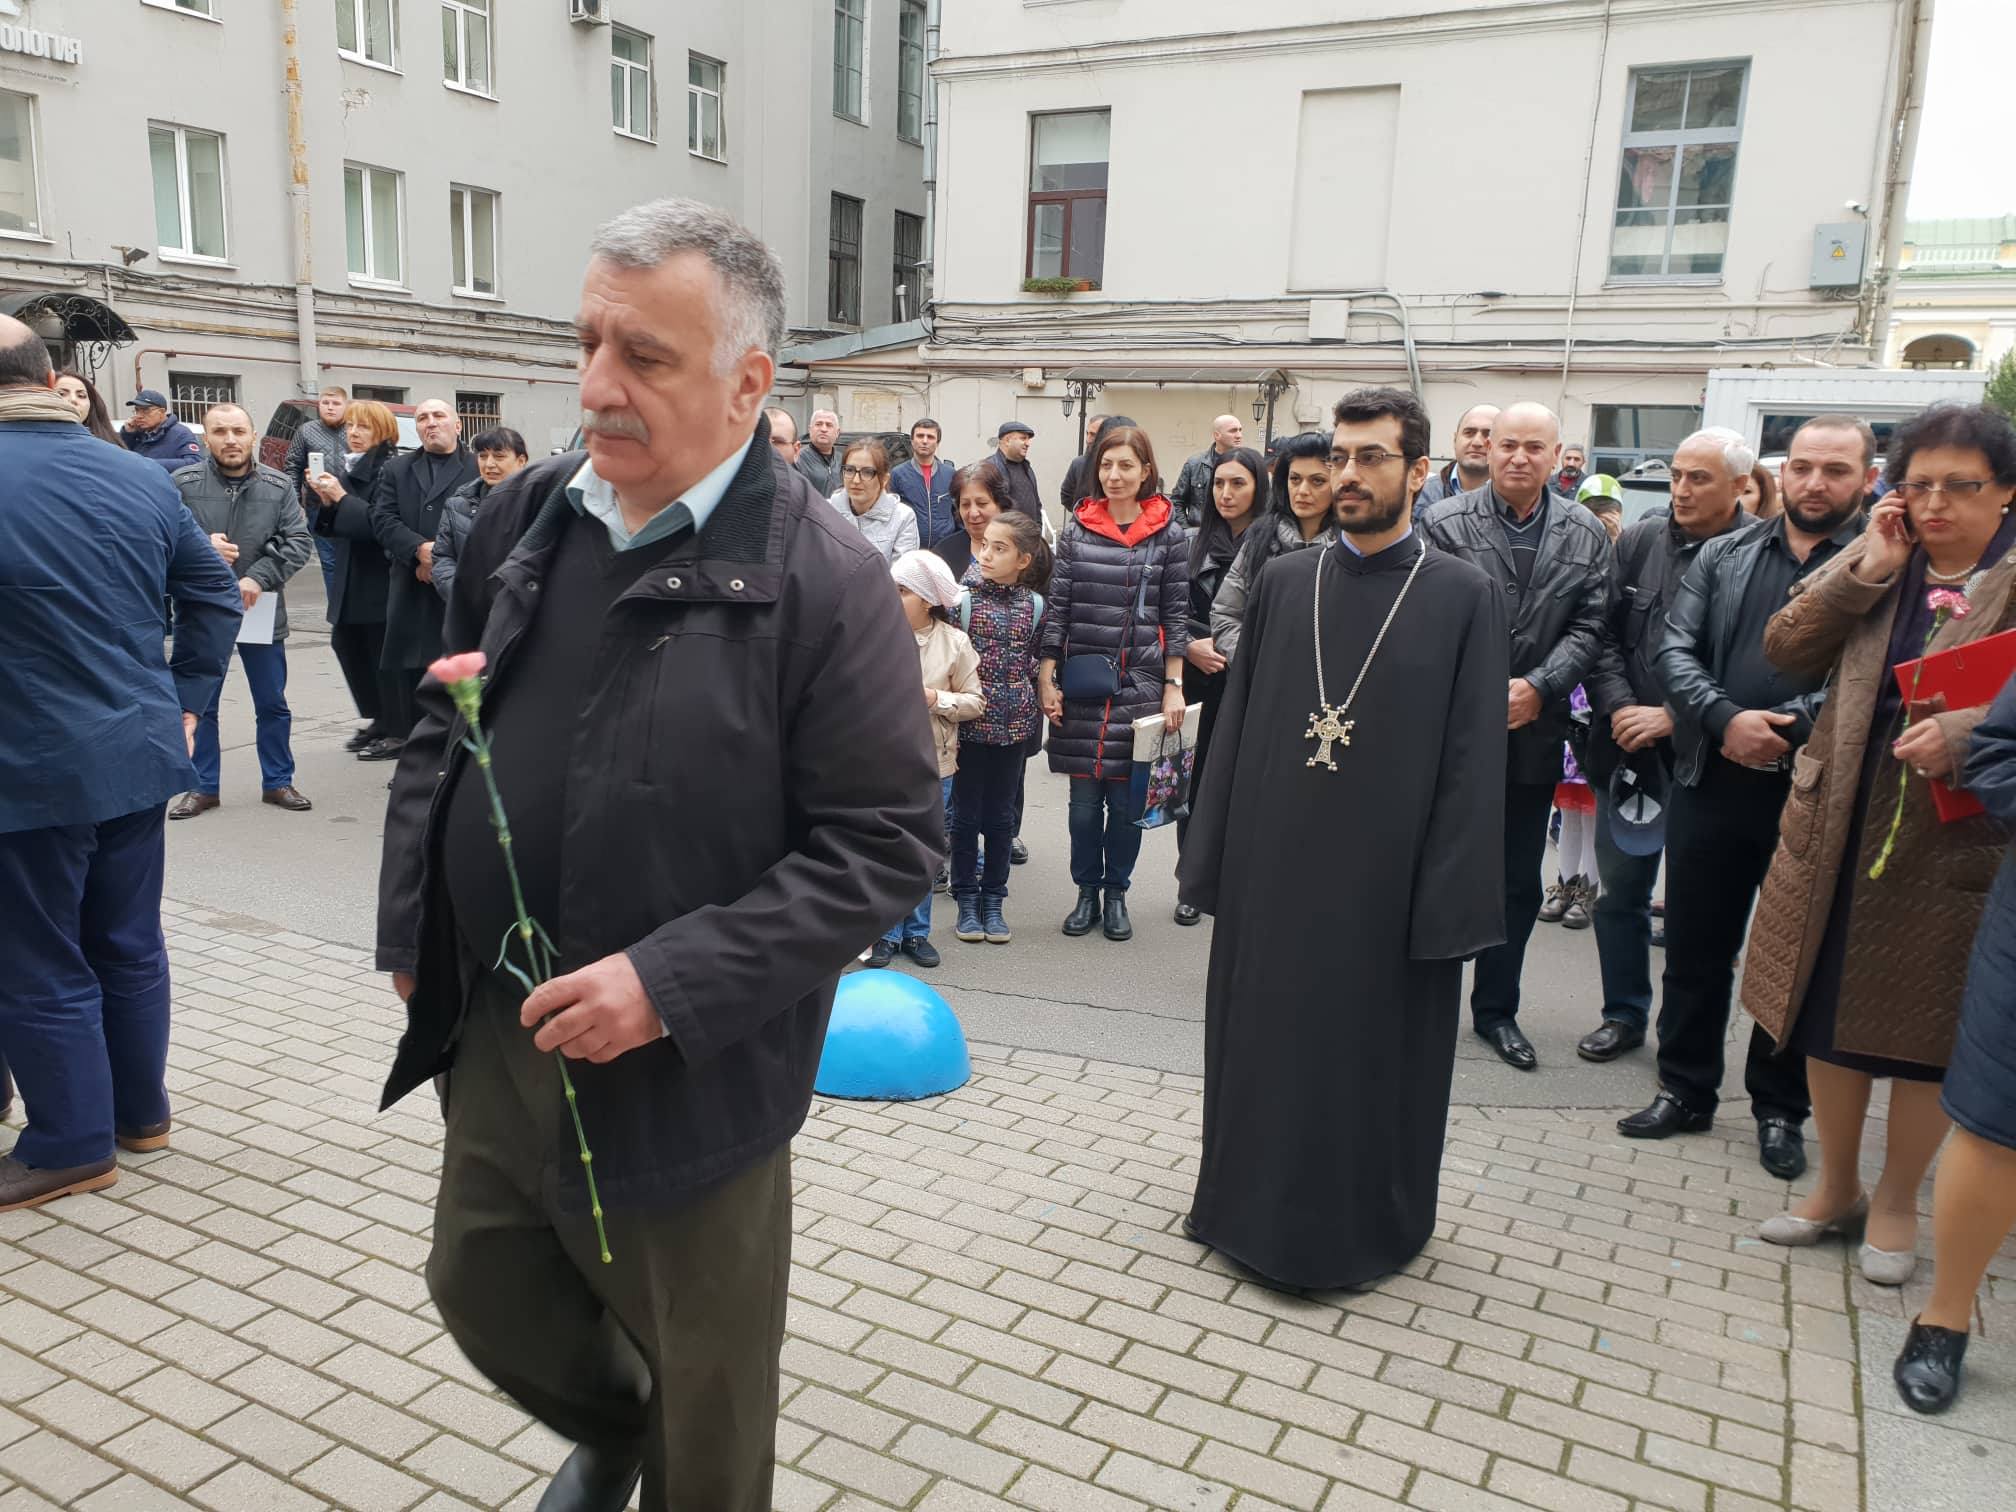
[(1346, 903)]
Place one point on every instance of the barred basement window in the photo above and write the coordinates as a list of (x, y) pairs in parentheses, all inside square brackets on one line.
[(479, 412), (190, 395)]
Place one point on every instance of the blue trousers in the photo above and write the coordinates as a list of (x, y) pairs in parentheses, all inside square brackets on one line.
[(1624, 924), (84, 997), (266, 673), (916, 925), (1105, 842), (325, 552)]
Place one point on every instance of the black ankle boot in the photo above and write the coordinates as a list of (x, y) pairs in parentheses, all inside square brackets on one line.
[(594, 1479), (1118, 926), (1928, 1367), (1085, 915)]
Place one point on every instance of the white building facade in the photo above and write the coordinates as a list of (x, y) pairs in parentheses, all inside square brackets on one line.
[(1586, 202), (1956, 294), (418, 229)]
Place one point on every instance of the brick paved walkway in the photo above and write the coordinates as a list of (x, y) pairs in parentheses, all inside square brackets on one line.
[(992, 1307)]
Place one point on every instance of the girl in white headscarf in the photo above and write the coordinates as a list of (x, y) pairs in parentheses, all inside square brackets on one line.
[(951, 682)]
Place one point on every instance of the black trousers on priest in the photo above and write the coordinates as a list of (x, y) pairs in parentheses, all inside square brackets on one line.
[(1719, 839), (674, 1345)]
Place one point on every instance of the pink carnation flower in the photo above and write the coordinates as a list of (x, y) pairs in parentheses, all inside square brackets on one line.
[(466, 666)]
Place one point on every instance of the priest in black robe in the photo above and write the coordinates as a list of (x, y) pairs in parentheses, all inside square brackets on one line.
[(1347, 898)]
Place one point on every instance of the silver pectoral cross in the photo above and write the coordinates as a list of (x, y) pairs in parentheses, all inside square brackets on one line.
[(1328, 729)]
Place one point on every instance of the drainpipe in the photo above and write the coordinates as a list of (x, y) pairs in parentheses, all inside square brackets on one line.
[(1917, 53), (297, 194), (930, 147)]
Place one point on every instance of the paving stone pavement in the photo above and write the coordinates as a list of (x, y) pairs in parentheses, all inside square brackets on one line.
[(992, 1307)]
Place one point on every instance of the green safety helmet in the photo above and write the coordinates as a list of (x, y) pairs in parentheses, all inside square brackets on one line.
[(1599, 486)]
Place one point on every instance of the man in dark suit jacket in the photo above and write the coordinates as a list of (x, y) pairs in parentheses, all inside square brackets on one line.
[(406, 516)]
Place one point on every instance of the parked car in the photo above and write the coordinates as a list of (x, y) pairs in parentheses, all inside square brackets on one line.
[(292, 414)]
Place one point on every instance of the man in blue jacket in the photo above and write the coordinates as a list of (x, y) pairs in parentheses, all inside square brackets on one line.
[(925, 484), (157, 435), (95, 741)]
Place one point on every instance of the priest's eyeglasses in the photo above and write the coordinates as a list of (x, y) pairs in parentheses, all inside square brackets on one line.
[(1368, 458), (1956, 489)]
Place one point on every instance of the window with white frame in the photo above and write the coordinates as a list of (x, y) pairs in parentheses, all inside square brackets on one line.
[(1676, 179), (465, 45), (367, 31), (703, 108), (630, 82), (472, 232), (20, 193), (193, 7), (188, 168), (190, 395), (910, 83), (850, 44), (373, 214)]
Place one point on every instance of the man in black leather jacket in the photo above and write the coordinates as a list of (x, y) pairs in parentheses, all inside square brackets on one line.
[(1551, 559), (1737, 720), (1629, 704)]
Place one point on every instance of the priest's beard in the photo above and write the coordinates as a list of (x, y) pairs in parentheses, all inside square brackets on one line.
[(1361, 514)]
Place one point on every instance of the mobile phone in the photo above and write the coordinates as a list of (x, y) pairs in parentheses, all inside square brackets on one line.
[(314, 465)]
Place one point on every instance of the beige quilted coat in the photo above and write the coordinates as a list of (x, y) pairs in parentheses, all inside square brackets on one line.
[(1911, 931)]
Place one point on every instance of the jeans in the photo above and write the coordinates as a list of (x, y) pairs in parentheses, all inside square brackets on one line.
[(1105, 843), (325, 550), (1624, 924), (266, 672), (983, 807), (84, 999), (916, 924), (1494, 989), (1719, 840)]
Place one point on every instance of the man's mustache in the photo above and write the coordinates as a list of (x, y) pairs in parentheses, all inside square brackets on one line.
[(615, 423)]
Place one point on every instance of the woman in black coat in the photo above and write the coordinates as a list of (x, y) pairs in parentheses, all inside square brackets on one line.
[(1238, 498), (1114, 632), (1974, 1195), (361, 575)]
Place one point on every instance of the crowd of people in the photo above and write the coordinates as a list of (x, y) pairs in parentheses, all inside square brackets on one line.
[(712, 637)]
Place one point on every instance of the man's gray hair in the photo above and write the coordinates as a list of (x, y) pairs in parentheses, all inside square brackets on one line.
[(1738, 455), (752, 278)]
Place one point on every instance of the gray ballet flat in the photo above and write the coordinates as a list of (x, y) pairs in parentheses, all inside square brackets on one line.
[(1888, 1267), (1797, 1233)]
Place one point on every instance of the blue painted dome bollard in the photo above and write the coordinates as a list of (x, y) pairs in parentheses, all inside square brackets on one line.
[(892, 1039)]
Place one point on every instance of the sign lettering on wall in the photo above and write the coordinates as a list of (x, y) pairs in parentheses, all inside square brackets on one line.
[(30, 43)]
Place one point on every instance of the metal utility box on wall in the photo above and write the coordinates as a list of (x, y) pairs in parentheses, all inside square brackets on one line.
[(1837, 255)]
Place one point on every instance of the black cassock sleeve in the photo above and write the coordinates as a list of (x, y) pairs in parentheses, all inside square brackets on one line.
[(1458, 905), (1210, 807)]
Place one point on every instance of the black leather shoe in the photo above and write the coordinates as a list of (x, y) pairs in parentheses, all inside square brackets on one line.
[(1513, 1047), (1608, 1040), (594, 1480), (881, 954), (1117, 925), (1085, 915), (1781, 1148), (1185, 914), (1666, 1117), (1927, 1372), (1018, 853), (364, 736), (923, 952), (384, 748)]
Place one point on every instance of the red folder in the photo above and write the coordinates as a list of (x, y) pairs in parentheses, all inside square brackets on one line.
[(1966, 677)]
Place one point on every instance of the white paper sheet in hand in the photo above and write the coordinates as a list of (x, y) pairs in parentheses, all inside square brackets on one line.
[(256, 629)]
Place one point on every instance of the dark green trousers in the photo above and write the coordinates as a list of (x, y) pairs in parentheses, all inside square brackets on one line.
[(673, 1346)]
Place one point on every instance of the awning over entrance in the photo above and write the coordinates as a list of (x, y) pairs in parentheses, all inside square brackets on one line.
[(80, 331)]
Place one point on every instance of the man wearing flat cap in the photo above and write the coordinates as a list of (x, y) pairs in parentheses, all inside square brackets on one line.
[(1011, 455)]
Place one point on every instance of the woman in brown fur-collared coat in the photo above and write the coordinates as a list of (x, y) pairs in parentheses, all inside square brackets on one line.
[(1862, 974)]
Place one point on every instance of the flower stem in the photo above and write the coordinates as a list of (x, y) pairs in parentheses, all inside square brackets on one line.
[(1882, 862)]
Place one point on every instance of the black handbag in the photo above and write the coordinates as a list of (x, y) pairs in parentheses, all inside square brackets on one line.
[(1092, 678)]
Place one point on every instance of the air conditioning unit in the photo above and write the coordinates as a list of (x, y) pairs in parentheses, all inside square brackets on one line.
[(588, 12)]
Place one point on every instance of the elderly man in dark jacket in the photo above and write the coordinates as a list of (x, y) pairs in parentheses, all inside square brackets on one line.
[(1011, 455), (94, 742), (254, 518), (406, 505), (1551, 559), (702, 704), (154, 433)]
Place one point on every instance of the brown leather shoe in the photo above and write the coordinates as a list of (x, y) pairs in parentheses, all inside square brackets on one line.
[(189, 805), (290, 798), (25, 1186), (145, 1138)]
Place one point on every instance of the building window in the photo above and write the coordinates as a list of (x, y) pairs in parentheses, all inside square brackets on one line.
[(367, 31), (20, 199), (1677, 176), (465, 45), (472, 233), (1067, 195), (630, 82), (908, 273), (191, 394), (843, 262), (703, 108), (1624, 435), (372, 216), (193, 7), (479, 412), (383, 393), (850, 42), (188, 191), (910, 72)]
